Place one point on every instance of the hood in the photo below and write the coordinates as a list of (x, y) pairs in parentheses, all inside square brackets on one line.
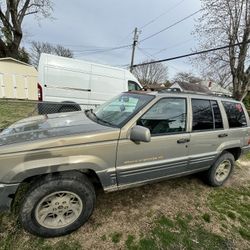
[(48, 126)]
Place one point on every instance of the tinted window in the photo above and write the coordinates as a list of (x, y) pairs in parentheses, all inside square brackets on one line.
[(202, 115), (235, 114), (217, 115), (166, 116), (133, 86)]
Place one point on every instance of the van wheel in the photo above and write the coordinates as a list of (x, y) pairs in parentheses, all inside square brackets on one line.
[(221, 170), (58, 205)]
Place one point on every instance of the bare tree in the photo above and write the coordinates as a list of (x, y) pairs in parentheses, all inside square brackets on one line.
[(185, 77), (151, 74), (226, 22), (12, 14), (40, 47)]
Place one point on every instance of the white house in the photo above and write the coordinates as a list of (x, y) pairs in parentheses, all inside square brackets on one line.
[(192, 87), (216, 88)]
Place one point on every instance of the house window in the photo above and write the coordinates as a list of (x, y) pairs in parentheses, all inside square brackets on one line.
[(235, 114), (167, 116)]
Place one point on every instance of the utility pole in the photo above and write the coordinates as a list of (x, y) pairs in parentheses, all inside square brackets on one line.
[(133, 49)]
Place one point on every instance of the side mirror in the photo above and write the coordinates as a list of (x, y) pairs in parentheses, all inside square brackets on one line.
[(140, 134)]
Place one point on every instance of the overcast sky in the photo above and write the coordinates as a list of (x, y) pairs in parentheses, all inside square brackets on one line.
[(83, 25)]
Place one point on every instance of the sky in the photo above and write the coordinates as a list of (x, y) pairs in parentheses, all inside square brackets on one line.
[(87, 26)]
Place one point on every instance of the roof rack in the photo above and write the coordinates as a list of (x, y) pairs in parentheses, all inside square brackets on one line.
[(177, 90)]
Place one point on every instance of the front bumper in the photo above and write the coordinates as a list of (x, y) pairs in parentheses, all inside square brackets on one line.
[(6, 190), (245, 150)]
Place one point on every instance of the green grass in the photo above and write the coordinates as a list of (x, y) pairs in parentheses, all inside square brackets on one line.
[(177, 233), (182, 231), (12, 237), (116, 237), (233, 206), (206, 217), (246, 157), (11, 111)]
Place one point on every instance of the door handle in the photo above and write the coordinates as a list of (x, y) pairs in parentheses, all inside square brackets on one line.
[(222, 135), (183, 140)]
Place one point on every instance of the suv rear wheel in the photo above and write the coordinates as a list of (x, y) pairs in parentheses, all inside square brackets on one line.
[(58, 205), (221, 170)]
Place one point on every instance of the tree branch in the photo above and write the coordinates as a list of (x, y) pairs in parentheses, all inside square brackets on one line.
[(5, 21)]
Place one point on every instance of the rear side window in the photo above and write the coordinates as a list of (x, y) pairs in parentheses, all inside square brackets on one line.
[(217, 115), (202, 115), (206, 115), (235, 114)]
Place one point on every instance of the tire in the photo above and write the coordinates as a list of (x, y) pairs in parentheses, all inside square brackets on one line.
[(57, 205), (214, 176)]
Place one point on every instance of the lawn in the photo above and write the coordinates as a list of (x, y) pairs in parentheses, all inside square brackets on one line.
[(12, 111), (181, 213)]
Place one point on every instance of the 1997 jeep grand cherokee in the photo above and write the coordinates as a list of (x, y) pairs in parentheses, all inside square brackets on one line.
[(129, 141)]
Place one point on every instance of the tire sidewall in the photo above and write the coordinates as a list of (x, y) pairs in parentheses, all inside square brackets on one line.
[(212, 172), (27, 211)]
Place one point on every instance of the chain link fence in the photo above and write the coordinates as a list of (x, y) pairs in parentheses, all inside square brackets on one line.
[(14, 110)]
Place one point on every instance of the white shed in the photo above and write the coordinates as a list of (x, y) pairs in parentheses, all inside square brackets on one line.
[(18, 80)]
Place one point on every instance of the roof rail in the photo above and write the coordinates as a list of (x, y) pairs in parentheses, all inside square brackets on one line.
[(177, 90)]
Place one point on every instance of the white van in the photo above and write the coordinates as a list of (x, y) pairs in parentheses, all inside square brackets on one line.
[(81, 83)]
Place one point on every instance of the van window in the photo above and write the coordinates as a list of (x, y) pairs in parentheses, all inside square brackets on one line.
[(167, 116), (235, 114), (132, 86)]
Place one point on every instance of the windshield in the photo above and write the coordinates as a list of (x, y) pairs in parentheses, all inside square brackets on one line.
[(119, 110)]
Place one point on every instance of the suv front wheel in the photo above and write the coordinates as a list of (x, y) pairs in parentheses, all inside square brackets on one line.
[(221, 170), (57, 205)]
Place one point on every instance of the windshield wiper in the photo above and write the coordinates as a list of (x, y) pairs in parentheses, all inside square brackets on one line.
[(99, 119)]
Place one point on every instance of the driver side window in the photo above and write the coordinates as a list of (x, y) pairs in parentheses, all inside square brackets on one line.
[(167, 116)]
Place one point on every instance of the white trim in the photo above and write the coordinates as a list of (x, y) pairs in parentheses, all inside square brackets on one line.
[(14, 60)]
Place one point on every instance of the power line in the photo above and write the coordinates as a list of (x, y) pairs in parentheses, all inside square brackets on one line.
[(192, 54), (126, 37), (89, 49), (153, 20), (149, 56), (158, 17), (170, 26), (104, 50), (173, 46)]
